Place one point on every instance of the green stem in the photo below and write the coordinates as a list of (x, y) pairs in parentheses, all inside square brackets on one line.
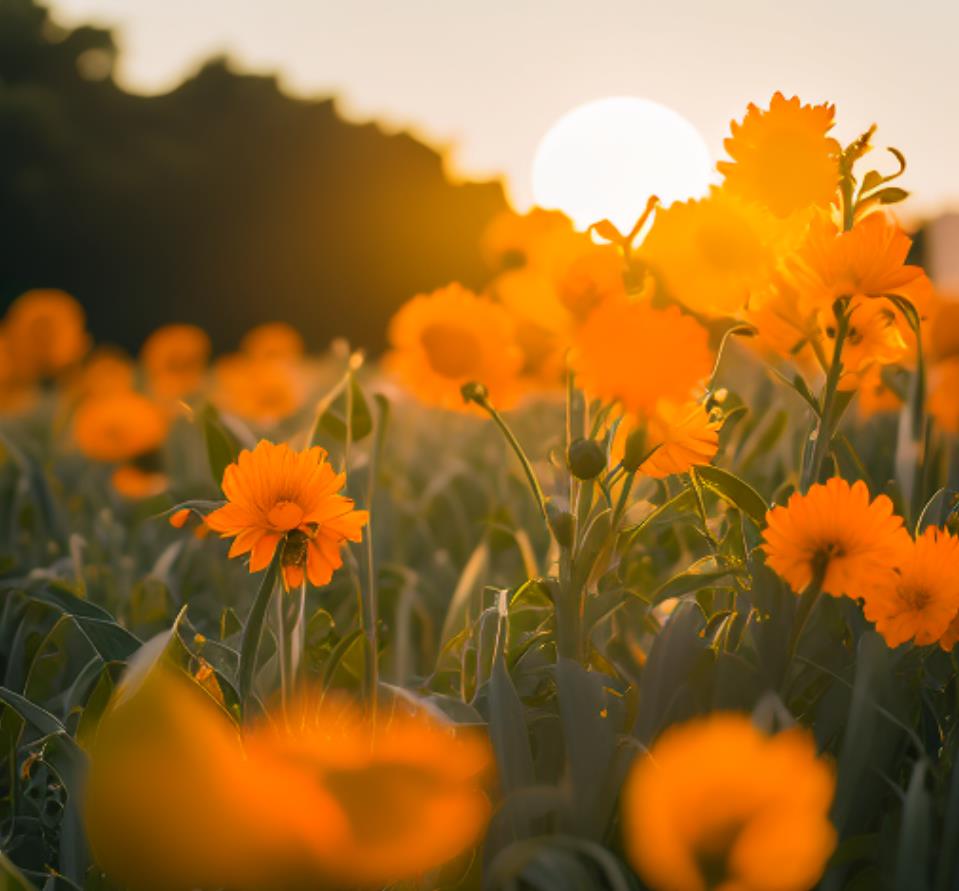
[(285, 630), (807, 602), (825, 423), (620, 508)]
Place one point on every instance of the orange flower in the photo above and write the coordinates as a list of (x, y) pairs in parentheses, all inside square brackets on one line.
[(718, 804), (950, 636), (874, 338), (119, 426), (713, 253), (106, 371), (175, 358), (274, 340), (944, 329), (442, 341), (317, 798), (638, 355), (867, 261), (920, 597), (684, 434), (874, 396), (408, 790), (782, 157), (511, 240), (784, 326), (278, 497), (834, 529), (46, 333), (261, 390), (16, 394), (944, 394), (136, 482)]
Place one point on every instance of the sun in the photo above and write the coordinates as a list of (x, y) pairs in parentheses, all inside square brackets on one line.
[(604, 159)]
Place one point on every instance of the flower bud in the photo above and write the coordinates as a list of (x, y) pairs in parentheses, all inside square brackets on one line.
[(561, 524), (634, 452), (586, 458)]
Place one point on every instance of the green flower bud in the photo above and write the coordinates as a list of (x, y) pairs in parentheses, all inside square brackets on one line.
[(561, 523), (635, 451), (586, 458)]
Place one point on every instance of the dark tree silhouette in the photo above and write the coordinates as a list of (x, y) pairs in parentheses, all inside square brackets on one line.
[(224, 202)]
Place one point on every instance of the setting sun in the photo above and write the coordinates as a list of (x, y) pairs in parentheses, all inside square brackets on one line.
[(605, 158)]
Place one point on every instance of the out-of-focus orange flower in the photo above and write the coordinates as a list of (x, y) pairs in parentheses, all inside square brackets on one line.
[(836, 530), (181, 518), (261, 390), (943, 402), (409, 789), (511, 240), (950, 636), (683, 434), (119, 426), (867, 261), (944, 329), (46, 333), (784, 326), (136, 482), (874, 338), (16, 394), (451, 337), (713, 253), (273, 340), (105, 371), (919, 598), (277, 497), (718, 804), (875, 396), (637, 355), (315, 798), (175, 358), (782, 157)]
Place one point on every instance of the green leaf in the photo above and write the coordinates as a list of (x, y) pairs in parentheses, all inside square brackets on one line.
[(334, 419), (704, 573), (11, 879), (253, 628), (736, 491), (38, 718), (891, 195), (338, 655), (222, 447), (912, 860)]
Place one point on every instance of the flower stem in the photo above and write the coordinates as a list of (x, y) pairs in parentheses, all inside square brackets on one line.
[(825, 423)]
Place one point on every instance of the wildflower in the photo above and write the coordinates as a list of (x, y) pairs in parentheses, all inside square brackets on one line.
[(874, 395), (950, 636), (718, 804), (874, 338), (920, 597), (273, 340), (712, 253), (867, 261), (638, 355), (106, 371), (834, 530), (46, 333), (679, 435), (119, 426), (782, 157), (944, 329), (451, 337), (511, 240), (175, 358), (260, 390), (277, 497), (135, 482), (321, 797)]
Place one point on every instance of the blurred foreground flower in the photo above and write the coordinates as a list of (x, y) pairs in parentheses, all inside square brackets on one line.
[(834, 534), (277, 497), (717, 804), (451, 337), (175, 798)]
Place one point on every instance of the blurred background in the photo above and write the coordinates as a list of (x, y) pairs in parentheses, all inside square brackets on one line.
[(230, 162)]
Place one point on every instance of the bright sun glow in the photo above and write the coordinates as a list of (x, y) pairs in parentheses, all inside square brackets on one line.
[(605, 158)]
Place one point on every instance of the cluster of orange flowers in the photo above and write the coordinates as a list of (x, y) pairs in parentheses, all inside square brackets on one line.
[(837, 538)]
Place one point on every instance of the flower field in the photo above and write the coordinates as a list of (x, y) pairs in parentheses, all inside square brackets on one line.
[(637, 569)]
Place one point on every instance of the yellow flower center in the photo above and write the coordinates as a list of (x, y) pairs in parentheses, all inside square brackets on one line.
[(285, 515), (451, 350)]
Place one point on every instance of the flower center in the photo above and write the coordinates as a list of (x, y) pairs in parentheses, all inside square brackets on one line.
[(451, 351), (285, 515)]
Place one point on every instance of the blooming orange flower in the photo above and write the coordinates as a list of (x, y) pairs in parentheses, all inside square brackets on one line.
[(718, 804), (713, 253), (273, 340), (119, 426), (950, 636), (46, 333), (175, 358), (279, 497), (451, 337), (317, 798), (874, 396), (260, 390), (511, 240), (920, 597), (684, 433), (782, 157), (837, 530), (868, 261), (874, 338), (638, 355)]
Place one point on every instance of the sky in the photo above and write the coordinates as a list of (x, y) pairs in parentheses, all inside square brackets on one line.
[(484, 81)]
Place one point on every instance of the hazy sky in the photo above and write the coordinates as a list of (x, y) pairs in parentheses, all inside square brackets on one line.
[(487, 79)]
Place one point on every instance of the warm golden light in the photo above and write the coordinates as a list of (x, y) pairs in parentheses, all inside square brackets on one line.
[(605, 158)]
